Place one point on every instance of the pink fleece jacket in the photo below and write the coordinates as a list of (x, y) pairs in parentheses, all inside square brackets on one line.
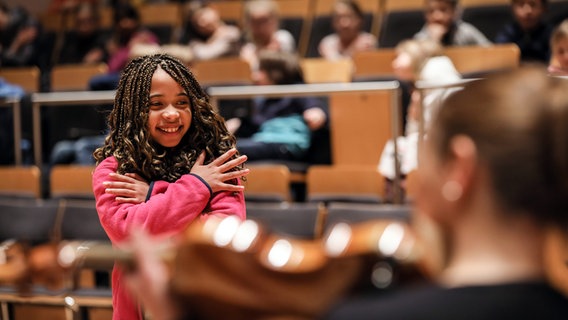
[(170, 208)]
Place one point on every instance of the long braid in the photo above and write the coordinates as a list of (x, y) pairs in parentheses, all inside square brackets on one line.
[(129, 141)]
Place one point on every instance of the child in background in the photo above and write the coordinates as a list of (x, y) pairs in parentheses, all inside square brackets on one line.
[(417, 60), (280, 128), (349, 36), (528, 30), (559, 44), (262, 31), (443, 25), (167, 160)]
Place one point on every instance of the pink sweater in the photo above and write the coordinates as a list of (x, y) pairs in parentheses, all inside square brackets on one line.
[(170, 208)]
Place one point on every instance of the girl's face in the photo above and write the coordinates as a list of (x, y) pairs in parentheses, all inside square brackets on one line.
[(402, 67), (170, 115), (560, 52)]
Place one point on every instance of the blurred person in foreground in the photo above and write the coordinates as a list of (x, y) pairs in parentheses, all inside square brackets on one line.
[(494, 184)]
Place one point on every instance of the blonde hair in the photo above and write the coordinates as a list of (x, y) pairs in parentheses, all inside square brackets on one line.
[(419, 51), (559, 33)]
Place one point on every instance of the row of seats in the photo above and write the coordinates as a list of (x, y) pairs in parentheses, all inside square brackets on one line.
[(37, 222), (265, 183), (367, 117), (224, 71), (55, 293), (309, 21)]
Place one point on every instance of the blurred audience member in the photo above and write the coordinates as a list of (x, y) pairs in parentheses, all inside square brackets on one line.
[(492, 176), (444, 25), (417, 61), (262, 31), (559, 45), (213, 38), (19, 37), (528, 30), (280, 128), (85, 43), (347, 19), (127, 33)]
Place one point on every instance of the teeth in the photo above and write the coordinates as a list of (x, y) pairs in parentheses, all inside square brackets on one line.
[(170, 130)]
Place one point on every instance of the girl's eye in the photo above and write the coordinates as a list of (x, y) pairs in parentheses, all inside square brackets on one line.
[(155, 104)]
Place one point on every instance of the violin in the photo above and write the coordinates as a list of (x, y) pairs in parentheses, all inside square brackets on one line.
[(228, 266)]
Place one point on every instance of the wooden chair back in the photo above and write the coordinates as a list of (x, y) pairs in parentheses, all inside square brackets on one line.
[(478, 59), (402, 5), (360, 126), (222, 71), (20, 181), (320, 70), (26, 77), (229, 11), (298, 12), (376, 64), (71, 181), (75, 77), (267, 183), (167, 13), (362, 184), (477, 3)]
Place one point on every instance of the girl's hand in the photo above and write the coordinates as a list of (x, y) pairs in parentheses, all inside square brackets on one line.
[(217, 172), (128, 188)]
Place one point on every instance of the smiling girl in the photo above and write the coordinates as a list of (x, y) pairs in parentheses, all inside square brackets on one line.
[(167, 160)]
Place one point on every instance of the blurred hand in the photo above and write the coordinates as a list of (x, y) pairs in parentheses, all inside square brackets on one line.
[(315, 118), (149, 281), (436, 31)]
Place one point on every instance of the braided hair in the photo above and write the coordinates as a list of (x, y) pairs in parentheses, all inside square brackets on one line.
[(129, 140)]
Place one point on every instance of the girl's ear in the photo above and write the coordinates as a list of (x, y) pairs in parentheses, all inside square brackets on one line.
[(462, 165)]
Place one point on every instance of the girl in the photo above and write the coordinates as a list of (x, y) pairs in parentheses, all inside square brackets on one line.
[(162, 131), (559, 45)]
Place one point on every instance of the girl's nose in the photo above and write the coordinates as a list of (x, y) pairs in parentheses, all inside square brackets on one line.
[(170, 113)]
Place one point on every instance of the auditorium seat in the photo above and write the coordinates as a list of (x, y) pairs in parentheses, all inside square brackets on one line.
[(321, 70), (556, 12), (295, 18), (26, 77), (20, 182), (71, 181), (162, 19), (488, 18), (353, 213), (475, 61), (400, 21), (363, 184), (373, 65), (299, 220), (222, 71), (267, 183), (230, 11), (75, 77)]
